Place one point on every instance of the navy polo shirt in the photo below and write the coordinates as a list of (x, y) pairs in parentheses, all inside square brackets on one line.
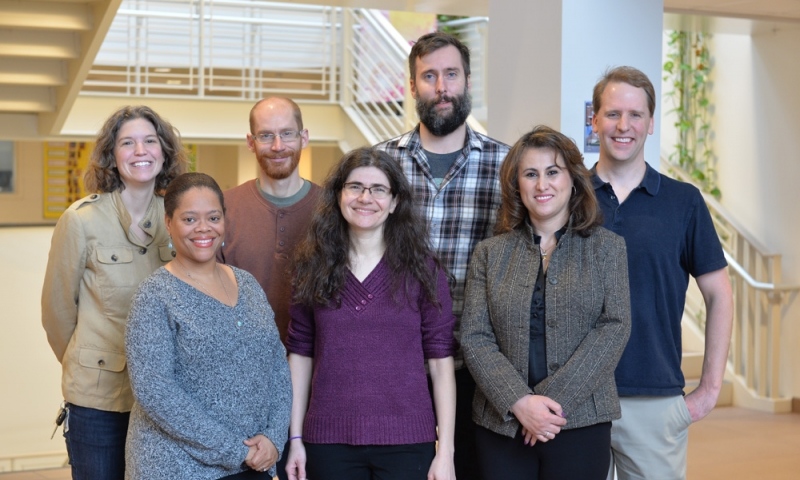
[(669, 235)]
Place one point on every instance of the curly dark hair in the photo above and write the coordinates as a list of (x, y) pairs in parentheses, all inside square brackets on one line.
[(321, 260), (102, 175), (583, 207), (185, 182)]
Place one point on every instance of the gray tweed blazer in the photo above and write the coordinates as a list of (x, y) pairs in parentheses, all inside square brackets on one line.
[(588, 321)]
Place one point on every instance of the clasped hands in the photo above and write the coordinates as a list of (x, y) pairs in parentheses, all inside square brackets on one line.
[(540, 416), (262, 454)]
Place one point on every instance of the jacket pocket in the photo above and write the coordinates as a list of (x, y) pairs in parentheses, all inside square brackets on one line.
[(114, 255), (165, 253), (103, 373)]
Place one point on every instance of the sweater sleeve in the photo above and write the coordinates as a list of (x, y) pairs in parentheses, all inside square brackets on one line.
[(280, 394), (302, 330), (438, 321), (150, 349), (596, 357), (65, 268)]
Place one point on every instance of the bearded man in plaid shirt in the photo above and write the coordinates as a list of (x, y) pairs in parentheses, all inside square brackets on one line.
[(454, 173)]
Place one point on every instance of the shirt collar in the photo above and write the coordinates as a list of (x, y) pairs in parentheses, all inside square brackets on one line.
[(411, 140), (650, 183)]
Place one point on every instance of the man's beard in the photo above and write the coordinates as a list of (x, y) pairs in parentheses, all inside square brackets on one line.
[(441, 124), (279, 172)]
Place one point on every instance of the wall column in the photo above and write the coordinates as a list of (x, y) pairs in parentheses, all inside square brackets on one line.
[(546, 55)]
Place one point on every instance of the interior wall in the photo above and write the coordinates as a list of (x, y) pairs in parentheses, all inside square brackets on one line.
[(756, 100), (25, 205), (555, 53), (221, 162), (30, 380)]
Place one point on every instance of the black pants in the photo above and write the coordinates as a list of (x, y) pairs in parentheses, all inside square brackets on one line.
[(581, 453), (466, 454), (369, 462)]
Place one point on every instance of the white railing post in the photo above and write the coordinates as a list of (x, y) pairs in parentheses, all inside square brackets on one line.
[(758, 298)]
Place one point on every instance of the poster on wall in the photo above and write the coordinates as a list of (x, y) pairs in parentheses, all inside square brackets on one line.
[(64, 166), (591, 142)]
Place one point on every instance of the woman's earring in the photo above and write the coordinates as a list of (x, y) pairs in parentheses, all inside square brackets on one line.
[(574, 190), (223, 243), (170, 242)]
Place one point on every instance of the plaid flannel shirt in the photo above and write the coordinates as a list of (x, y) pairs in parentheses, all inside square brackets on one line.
[(462, 211)]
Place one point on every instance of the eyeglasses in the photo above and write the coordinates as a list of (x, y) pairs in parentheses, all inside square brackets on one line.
[(378, 192), (269, 138)]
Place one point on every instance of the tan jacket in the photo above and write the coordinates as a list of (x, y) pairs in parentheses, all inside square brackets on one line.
[(94, 268), (587, 318)]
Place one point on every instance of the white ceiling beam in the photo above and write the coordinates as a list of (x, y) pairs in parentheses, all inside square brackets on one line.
[(103, 12), (26, 99), (32, 71), (46, 15), (39, 43), (19, 126)]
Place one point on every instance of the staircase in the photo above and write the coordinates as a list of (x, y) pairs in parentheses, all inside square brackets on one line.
[(759, 307)]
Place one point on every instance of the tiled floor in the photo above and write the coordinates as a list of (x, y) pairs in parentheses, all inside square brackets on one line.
[(732, 443)]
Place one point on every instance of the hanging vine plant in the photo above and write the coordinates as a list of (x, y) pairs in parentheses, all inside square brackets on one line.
[(686, 69)]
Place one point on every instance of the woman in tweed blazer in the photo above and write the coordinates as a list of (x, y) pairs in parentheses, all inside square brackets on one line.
[(546, 318)]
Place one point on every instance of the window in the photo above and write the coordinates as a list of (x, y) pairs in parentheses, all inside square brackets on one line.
[(6, 167)]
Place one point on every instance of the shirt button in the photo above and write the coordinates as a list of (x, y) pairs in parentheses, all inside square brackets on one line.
[(283, 229), (94, 195), (363, 302), (101, 362), (114, 257), (142, 250), (553, 281), (370, 296), (280, 215), (147, 224), (554, 366), (358, 308), (552, 323), (281, 243)]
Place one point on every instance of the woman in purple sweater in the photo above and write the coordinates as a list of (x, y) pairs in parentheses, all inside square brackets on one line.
[(371, 305)]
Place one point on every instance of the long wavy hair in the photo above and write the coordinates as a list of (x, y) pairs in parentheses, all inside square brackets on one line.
[(583, 207), (321, 260), (102, 175)]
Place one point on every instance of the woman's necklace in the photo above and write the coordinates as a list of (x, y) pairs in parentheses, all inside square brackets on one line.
[(198, 282)]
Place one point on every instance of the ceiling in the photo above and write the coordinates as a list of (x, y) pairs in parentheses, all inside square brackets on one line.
[(47, 46)]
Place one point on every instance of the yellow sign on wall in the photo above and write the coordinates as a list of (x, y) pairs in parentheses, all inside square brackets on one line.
[(64, 166)]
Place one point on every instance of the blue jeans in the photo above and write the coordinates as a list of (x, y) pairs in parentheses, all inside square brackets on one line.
[(96, 443)]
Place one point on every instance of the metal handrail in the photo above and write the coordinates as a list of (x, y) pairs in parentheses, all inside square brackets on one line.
[(753, 282), (755, 356)]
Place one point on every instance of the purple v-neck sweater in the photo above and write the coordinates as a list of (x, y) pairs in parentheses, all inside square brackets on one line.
[(369, 385)]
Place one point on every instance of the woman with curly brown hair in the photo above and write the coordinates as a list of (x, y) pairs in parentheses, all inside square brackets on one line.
[(102, 247), (546, 318), (371, 305)]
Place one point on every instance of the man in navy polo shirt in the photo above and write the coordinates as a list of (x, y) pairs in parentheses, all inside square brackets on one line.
[(669, 236)]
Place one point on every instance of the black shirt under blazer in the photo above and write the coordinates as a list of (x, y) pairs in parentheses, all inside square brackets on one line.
[(588, 321)]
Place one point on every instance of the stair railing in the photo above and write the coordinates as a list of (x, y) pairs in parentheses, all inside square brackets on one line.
[(758, 299)]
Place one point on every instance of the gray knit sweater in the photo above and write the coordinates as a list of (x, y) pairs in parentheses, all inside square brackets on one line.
[(205, 377)]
